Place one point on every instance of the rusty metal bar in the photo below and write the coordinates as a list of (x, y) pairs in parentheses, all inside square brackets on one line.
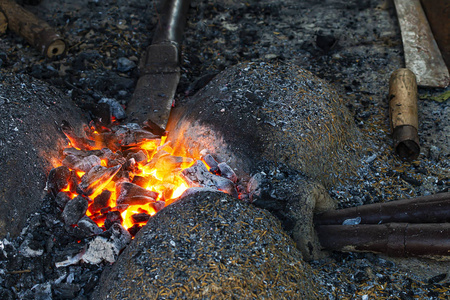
[(393, 239), (426, 209)]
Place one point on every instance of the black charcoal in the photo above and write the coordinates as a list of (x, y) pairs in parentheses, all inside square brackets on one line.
[(88, 226), (132, 194), (227, 172), (75, 209), (97, 178), (58, 179), (101, 201), (116, 109), (62, 199)]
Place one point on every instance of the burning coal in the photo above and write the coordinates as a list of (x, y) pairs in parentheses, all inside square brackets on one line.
[(125, 174)]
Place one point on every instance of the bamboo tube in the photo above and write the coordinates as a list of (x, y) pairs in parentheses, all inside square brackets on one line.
[(403, 113), (35, 31), (3, 23), (393, 239), (425, 209)]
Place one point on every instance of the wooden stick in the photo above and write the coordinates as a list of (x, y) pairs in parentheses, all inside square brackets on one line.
[(35, 31)]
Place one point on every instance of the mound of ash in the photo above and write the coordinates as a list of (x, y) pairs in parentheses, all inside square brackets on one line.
[(208, 245), (30, 139)]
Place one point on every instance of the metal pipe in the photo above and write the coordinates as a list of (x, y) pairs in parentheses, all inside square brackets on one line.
[(393, 239), (403, 113), (172, 19), (426, 209)]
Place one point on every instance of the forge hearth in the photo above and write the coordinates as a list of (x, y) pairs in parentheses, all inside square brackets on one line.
[(246, 134), (271, 136), (124, 174)]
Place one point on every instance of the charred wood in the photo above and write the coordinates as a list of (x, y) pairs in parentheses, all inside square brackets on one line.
[(138, 137), (88, 226), (84, 164), (105, 210), (227, 172), (62, 198), (132, 194), (107, 246), (133, 230), (158, 205), (211, 162), (139, 157), (140, 217), (96, 179), (82, 153), (80, 142), (100, 202), (112, 217), (140, 181), (74, 210), (198, 175), (58, 179)]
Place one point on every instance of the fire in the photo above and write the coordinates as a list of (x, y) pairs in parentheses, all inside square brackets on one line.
[(149, 174)]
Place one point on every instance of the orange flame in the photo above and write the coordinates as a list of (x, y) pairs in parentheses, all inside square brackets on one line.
[(161, 176)]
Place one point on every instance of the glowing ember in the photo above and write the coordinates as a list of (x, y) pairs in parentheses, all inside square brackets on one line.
[(129, 181), (125, 175)]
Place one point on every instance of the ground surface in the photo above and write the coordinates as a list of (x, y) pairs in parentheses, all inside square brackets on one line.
[(355, 45)]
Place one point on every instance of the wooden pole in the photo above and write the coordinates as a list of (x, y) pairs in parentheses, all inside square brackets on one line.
[(35, 31)]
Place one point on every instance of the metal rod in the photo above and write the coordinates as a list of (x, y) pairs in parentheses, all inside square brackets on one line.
[(172, 19)]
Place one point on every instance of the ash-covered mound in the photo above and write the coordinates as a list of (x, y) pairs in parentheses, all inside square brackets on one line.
[(209, 244), (255, 113), (31, 112)]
